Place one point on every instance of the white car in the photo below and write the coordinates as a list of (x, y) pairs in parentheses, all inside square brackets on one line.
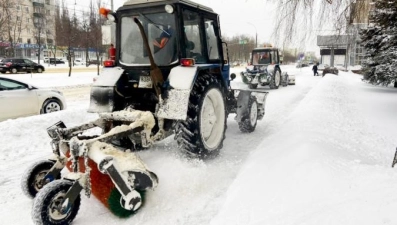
[(341, 67), (79, 62), (18, 99)]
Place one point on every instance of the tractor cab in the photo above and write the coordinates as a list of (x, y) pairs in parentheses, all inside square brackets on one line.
[(265, 56), (156, 40), (175, 30)]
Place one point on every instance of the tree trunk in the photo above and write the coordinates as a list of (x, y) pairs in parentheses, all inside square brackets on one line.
[(69, 61), (395, 83)]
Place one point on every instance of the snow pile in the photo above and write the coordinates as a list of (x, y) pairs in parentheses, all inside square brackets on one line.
[(327, 165), (321, 155)]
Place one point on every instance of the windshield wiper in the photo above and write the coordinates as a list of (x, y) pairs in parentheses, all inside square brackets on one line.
[(155, 24)]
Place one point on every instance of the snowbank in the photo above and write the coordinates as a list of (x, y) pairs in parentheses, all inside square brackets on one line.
[(329, 164)]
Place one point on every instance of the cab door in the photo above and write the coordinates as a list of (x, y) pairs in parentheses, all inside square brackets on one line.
[(17, 100)]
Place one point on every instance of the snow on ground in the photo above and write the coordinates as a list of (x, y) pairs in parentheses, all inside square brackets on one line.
[(321, 155), (54, 79)]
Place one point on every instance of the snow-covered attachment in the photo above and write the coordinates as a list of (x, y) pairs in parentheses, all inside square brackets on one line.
[(265, 70), (125, 168)]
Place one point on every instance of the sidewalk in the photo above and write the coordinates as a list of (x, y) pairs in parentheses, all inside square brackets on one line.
[(63, 69)]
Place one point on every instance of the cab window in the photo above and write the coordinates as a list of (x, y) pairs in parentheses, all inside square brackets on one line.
[(212, 41), (193, 45)]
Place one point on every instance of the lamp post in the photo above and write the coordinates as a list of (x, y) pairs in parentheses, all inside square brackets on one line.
[(256, 34)]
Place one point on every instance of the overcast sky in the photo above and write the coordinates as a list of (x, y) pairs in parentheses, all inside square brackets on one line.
[(240, 17)]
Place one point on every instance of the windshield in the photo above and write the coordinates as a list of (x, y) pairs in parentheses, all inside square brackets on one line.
[(261, 57), (160, 30)]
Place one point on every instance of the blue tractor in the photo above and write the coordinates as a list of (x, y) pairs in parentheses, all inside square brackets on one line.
[(168, 74)]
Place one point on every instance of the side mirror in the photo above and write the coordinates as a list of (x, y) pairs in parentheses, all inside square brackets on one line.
[(225, 62), (30, 87), (232, 76)]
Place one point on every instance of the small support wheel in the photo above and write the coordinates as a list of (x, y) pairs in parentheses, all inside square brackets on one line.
[(47, 206), (33, 178)]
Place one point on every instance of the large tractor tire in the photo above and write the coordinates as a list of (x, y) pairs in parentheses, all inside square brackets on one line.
[(248, 122), (276, 79), (202, 133)]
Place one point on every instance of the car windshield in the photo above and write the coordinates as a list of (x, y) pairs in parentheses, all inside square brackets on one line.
[(160, 30), (261, 57)]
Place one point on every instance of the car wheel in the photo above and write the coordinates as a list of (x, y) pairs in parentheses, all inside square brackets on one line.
[(51, 105), (14, 70), (39, 70)]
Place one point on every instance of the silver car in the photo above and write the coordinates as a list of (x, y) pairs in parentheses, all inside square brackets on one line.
[(18, 99)]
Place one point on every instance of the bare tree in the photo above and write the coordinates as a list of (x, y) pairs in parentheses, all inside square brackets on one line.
[(13, 22), (293, 15)]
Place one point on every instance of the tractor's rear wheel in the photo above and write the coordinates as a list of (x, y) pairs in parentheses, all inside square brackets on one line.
[(202, 133), (276, 79), (248, 122)]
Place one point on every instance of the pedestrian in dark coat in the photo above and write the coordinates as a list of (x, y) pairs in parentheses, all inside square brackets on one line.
[(315, 70)]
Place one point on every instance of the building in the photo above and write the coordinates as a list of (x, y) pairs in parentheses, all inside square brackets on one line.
[(333, 49), (356, 51), (28, 25), (346, 49)]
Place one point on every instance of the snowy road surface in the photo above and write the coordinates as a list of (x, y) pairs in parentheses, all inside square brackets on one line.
[(321, 155)]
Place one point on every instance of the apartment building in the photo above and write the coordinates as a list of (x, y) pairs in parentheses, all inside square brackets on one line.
[(28, 25)]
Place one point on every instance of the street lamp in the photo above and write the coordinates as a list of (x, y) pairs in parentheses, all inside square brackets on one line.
[(256, 34)]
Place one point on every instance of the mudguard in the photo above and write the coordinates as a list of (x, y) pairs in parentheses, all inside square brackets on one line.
[(102, 90), (181, 81)]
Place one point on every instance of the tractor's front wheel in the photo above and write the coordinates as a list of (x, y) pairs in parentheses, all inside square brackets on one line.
[(49, 207), (202, 133), (248, 122)]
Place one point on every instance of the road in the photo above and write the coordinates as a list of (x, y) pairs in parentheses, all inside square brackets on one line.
[(189, 191)]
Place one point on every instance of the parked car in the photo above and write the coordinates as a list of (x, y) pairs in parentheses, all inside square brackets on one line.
[(341, 67), (56, 61), (18, 99), (322, 66), (93, 62), (15, 65), (332, 70), (78, 62), (302, 64)]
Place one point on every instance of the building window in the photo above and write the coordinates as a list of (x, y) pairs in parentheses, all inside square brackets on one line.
[(47, 2), (29, 41), (18, 18), (18, 7), (28, 20), (27, 9), (36, 9), (48, 12), (19, 40)]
